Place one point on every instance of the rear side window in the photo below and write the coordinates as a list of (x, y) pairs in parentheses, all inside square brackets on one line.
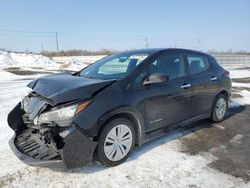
[(197, 63)]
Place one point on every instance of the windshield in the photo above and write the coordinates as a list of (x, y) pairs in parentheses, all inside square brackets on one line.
[(113, 67)]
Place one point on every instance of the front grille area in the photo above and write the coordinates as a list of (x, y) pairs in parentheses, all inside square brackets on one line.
[(30, 143)]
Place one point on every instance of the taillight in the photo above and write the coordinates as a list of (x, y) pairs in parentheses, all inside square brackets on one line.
[(226, 73)]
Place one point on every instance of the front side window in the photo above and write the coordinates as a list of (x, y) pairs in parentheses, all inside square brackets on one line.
[(171, 65), (197, 63), (114, 66)]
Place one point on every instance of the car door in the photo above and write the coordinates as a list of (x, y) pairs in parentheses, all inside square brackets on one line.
[(168, 102), (204, 83)]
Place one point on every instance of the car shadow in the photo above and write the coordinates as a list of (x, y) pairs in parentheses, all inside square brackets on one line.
[(170, 136)]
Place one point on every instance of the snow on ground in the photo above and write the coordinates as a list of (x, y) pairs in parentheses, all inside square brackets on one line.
[(159, 163)]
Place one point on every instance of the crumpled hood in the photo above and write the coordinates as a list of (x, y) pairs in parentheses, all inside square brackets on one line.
[(65, 87)]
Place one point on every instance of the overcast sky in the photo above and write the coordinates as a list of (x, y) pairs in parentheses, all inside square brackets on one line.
[(125, 24)]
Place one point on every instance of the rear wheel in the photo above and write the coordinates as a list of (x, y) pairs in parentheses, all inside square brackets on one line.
[(116, 142), (220, 108)]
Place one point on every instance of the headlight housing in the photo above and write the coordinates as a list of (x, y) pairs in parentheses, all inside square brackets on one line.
[(61, 116)]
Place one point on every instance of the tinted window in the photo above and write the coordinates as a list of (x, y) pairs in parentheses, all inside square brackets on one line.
[(171, 65), (197, 63)]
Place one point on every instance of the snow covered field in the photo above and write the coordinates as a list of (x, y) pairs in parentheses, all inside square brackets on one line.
[(160, 163)]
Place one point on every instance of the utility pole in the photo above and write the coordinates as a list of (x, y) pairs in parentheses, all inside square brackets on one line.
[(199, 43), (146, 42), (42, 47), (57, 43)]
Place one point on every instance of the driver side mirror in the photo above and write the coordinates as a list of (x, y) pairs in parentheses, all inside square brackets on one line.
[(156, 78)]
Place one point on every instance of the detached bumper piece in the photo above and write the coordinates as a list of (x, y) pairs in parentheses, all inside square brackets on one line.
[(77, 151)]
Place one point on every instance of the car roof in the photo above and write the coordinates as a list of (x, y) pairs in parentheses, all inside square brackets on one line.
[(156, 50)]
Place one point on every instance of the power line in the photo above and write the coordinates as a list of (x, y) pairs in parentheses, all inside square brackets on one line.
[(87, 35), (154, 42), (22, 31)]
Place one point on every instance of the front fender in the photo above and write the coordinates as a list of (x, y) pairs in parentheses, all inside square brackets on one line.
[(91, 123)]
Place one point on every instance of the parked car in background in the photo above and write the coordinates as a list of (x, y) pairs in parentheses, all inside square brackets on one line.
[(123, 100)]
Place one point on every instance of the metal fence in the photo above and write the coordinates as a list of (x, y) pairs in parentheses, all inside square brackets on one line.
[(81, 59), (232, 60)]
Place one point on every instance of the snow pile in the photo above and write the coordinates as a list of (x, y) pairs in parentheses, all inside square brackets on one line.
[(236, 73), (11, 59), (244, 100), (237, 84), (73, 65)]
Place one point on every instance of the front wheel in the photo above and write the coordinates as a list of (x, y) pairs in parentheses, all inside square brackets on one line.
[(116, 141), (220, 108)]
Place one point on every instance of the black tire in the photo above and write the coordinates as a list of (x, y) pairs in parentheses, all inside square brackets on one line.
[(100, 154), (214, 116)]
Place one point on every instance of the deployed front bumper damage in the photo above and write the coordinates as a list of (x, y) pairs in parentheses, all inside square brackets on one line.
[(77, 151), (69, 148)]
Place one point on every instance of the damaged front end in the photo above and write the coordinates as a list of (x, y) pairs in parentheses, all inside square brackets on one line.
[(46, 136)]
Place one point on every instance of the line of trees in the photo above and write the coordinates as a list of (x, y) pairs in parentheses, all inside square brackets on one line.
[(75, 52), (104, 51)]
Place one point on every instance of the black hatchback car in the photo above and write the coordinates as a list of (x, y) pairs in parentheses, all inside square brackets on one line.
[(122, 100)]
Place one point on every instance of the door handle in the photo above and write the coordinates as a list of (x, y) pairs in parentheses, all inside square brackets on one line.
[(213, 78), (184, 86)]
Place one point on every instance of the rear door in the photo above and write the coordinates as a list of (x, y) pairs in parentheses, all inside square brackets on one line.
[(204, 83)]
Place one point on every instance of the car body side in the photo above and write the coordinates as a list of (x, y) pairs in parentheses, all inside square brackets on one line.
[(120, 99)]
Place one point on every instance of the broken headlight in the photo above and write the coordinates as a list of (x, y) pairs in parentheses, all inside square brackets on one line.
[(61, 116)]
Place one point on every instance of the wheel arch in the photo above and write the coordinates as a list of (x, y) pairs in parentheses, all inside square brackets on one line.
[(130, 115), (225, 93)]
